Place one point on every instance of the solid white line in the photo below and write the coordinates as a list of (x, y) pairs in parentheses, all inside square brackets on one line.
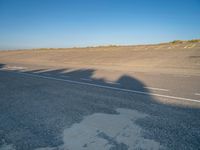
[(85, 79), (15, 67), (110, 82), (108, 87), (159, 89), (64, 76), (197, 94)]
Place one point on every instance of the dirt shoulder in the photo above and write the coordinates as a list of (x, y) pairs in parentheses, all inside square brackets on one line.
[(170, 58)]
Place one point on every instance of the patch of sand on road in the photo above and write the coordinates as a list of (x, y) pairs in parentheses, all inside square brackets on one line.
[(104, 132), (107, 131)]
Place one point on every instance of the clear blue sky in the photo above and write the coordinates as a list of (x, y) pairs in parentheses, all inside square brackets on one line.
[(68, 23)]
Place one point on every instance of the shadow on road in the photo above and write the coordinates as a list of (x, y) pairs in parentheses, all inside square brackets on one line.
[(35, 111), (1, 66)]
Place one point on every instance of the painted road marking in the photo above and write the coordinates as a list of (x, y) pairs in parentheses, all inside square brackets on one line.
[(158, 89), (15, 67), (64, 76), (86, 79), (108, 87), (110, 82), (197, 94)]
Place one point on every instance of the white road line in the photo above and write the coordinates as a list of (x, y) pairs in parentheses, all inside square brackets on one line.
[(108, 87), (64, 76), (85, 79), (110, 82), (15, 67), (197, 94), (158, 89)]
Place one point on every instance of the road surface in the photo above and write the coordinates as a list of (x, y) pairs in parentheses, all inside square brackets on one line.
[(50, 110)]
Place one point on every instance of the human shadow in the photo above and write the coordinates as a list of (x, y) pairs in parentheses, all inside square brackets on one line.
[(35, 110), (2, 66)]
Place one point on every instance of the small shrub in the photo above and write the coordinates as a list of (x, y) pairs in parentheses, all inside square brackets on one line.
[(194, 40), (176, 42)]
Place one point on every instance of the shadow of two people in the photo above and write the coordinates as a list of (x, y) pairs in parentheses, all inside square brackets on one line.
[(164, 123)]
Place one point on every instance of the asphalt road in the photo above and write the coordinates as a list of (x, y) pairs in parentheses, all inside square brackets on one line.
[(52, 110)]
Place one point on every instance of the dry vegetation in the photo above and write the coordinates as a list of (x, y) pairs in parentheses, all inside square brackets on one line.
[(187, 41)]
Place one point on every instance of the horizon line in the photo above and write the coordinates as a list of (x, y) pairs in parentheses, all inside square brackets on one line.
[(106, 45)]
